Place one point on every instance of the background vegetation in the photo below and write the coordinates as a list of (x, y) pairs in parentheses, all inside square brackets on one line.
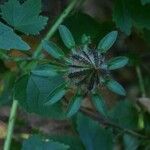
[(24, 82)]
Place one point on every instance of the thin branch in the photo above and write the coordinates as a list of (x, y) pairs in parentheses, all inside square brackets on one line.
[(106, 122)]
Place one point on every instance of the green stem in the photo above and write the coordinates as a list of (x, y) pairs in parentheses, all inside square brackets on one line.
[(141, 82), (11, 125), (143, 93), (52, 30)]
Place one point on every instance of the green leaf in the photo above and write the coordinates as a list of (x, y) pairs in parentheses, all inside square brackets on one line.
[(125, 114), (32, 91), (93, 136), (74, 105), (72, 140), (81, 23), (140, 17), (10, 40), (24, 17), (145, 2), (66, 37), (37, 143), (130, 142), (115, 87), (117, 62), (106, 43), (56, 95), (100, 104), (122, 17), (45, 70), (52, 49)]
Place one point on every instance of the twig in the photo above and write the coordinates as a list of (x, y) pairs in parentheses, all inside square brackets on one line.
[(106, 122)]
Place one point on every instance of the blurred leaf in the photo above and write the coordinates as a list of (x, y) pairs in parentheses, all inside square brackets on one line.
[(74, 105), (139, 13), (27, 19), (130, 142), (145, 2), (37, 143), (100, 104), (117, 62), (131, 12), (125, 115), (121, 16), (115, 87), (10, 40), (66, 37), (32, 91), (52, 49), (106, 42), (93, 136)]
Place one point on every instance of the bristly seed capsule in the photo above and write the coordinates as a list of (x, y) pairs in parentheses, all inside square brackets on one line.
[(88, 69)]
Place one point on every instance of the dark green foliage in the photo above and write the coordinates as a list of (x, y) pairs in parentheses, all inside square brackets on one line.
[(37, 143), (130, 142), (32, 91), (70, 81), (125, 114), (73, 141), (128, 13), (93, 136)]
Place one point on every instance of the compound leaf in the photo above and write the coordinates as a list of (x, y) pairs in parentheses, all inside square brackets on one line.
[(24, 17), (31, 91)]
